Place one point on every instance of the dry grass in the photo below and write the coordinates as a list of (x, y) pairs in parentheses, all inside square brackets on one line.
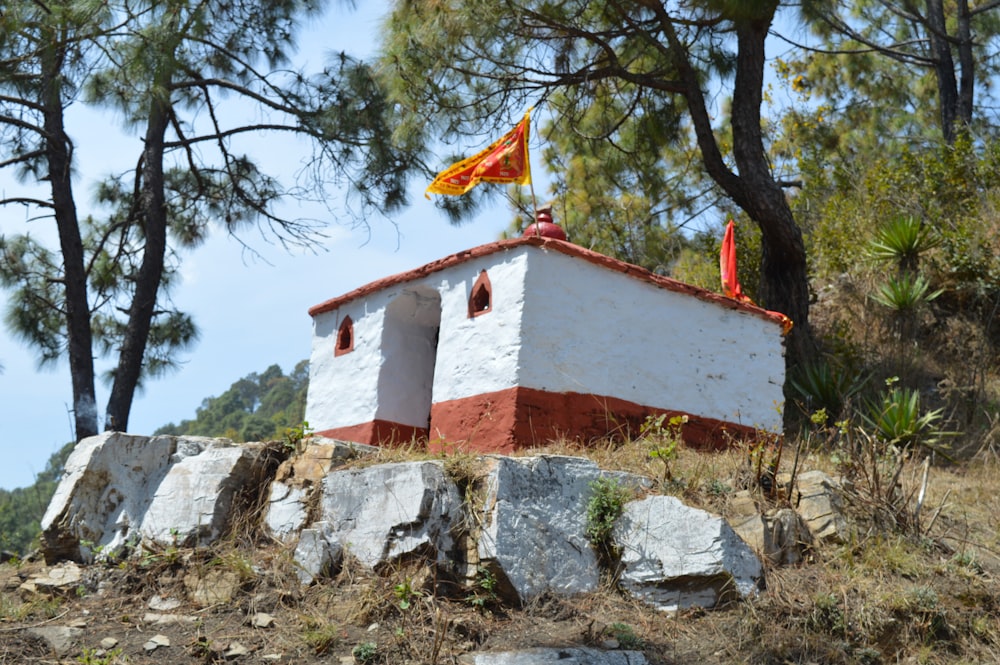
[(887, 595)]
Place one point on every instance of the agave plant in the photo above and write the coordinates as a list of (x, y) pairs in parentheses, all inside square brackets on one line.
[(897, 420), (902, 240), (822, 385), (905, 292)]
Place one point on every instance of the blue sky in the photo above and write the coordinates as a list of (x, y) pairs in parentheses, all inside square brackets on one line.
[(251, 313)]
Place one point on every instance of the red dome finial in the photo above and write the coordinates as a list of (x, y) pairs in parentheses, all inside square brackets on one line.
[(544, 226)]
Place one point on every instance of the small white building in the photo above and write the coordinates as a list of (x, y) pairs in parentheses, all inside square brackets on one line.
[(515, 343)]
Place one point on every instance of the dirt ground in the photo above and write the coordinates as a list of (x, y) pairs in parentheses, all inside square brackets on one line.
[(888, 596)]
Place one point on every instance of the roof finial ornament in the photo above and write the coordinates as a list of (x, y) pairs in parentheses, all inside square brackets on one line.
[(544, 227)]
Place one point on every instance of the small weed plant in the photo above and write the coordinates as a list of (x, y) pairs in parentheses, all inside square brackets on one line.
[(101, 657), (321, 635), (295, 436), (406, 595), (606, 505), (625, 636), (485, 592), (664, 440), (365, 653), (897, 419)]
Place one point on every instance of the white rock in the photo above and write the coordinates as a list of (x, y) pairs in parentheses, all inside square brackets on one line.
[(316, 556), (64, 576), (156, 619), (235, 650), (383, 513), (156, 642), (675, 556), (62, 639), (161, 604), (534, 524), (563, 656), (262, 620), (120, 488), (286, 509)]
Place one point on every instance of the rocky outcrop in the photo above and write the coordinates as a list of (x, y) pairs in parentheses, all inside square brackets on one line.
[(298, 480), (523, 522), (388, 513), (120, 489), (784, 534), (818, 498)]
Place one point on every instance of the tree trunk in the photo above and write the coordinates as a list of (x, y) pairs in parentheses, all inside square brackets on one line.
[(944, 68), (152, 209), (784, 279), (967, 64), (78, 332)]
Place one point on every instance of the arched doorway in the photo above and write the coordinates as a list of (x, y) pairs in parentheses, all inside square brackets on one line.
[(409, 353)]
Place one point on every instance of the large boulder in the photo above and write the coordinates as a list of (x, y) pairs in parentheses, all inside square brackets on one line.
[(674, 556), (391, 512), (534, 521), (120, 489)]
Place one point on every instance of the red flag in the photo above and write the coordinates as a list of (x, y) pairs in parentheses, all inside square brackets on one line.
[(727, 266), (504, 161), (730, 282)]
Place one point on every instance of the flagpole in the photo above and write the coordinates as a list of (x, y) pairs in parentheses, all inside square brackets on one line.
[(534, 208)]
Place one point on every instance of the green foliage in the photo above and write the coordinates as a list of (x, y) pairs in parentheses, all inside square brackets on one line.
[(366, 652), (625, 635), (294, 436), (405, 594), (485, 592), (605, 506), (827, 616), (321, 635), (100, 657), (905, 293), (897, 419), (663, 440), (258, 407), (902, 240), (153, 69), (823, 385), (21, 509)]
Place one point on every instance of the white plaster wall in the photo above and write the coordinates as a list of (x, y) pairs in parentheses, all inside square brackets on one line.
[(474, 355), (480, 354), (591, 330), (343, 390)]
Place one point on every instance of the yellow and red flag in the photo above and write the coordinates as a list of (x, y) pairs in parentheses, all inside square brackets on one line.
[(727, 266), (504, 161)]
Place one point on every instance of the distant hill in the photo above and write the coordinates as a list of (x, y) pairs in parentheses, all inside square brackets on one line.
[(258, 407)]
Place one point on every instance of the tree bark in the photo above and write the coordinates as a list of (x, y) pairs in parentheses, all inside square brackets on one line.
[(967, 64), (152, 209), (78, 332), (944, 68)]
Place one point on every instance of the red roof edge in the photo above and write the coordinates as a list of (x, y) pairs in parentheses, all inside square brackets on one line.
[(564, 247)]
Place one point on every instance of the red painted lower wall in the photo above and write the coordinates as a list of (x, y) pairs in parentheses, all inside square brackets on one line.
[(518, 418), (377, 433)]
